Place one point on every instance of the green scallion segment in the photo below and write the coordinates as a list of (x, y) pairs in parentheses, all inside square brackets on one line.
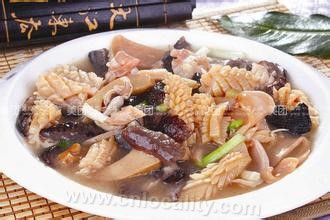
[(144, 102), (64, 143), (234, 125), (223, 150), (162, 108), (142, 105), (199, 163)]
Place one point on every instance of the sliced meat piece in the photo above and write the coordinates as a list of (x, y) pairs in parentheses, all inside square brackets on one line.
[(167, 58), (121, 65), (148, 56), (124, 116)]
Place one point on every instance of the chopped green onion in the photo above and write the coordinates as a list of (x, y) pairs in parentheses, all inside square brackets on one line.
[(232, 127), (144, 102), (231, 93), (64, 143), (223, 150), (141, 105), (162, 108), (199, 163)]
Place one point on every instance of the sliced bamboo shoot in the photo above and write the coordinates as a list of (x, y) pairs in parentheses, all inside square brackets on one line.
[(97, 99), (141, 83), (135, 163)]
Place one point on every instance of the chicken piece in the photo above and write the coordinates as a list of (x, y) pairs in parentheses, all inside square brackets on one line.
[(145, 79), (121, 65), (44, 113), (114, 105), (116, 120), (125, 116), (98, 156), (187, 63), (66, 82), (214, 177)]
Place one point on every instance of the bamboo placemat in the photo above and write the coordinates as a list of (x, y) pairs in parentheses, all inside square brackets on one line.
[(17, 202)]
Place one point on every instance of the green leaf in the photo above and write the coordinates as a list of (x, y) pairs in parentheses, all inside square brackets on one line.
[(223, 150), (290, 33)]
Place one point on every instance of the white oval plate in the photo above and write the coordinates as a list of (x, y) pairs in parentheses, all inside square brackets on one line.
[(307, 183)]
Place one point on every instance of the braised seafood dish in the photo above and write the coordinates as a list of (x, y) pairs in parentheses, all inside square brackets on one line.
[(173, 125)]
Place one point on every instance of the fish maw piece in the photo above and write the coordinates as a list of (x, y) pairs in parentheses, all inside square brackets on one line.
[(135, 163), (147, 55)]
